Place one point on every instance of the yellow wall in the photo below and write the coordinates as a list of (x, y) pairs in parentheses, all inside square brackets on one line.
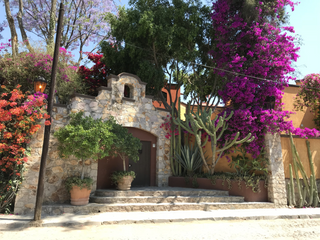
[(301, 147), (222, 165), (183, 110), (301, 119)]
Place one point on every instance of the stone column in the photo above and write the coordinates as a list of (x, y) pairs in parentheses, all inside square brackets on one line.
[(26, 197), (276, 180)]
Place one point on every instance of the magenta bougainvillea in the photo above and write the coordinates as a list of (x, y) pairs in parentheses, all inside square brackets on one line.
[(309, 95), (257, 49)]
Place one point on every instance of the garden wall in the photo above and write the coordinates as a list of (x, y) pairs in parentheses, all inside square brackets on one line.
[(135, 111), (301, 147)]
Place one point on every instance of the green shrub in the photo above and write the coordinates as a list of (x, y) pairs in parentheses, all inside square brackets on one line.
[(190, 159), (77, 181), (118, 175), (85, 138)]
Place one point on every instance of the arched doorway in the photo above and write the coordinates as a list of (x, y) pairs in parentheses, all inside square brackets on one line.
[(145, 168)]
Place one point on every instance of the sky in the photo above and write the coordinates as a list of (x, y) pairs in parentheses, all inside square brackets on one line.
[(305, 19)]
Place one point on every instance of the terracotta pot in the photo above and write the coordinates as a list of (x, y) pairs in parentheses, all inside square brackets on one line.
[(205, 183), (79, 196), (125, 183)]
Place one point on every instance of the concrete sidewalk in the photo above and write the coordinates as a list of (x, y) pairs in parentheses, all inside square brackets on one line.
[(8, 222)]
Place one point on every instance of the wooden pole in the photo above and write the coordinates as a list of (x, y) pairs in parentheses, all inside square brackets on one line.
[(45, 147)]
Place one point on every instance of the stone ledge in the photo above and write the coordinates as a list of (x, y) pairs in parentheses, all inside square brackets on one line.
[(128, 99), (82, 96), (60, 105), (104, 88)]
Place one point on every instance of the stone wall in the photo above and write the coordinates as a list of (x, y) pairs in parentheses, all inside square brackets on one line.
[(136, 111), (26, 197), (276, 181)]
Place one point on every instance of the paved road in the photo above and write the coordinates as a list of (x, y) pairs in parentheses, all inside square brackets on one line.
[(236, 230)]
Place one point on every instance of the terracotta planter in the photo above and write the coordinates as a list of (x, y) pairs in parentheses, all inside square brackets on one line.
[(79, 196), (125, 183), (205, 183)]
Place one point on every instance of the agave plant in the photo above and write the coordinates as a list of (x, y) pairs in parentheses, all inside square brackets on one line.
[(190, 159)]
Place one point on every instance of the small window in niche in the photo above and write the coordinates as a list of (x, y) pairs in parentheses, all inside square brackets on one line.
[(128, 92)]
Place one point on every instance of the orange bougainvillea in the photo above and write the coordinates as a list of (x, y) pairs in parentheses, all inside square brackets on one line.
[(20, 115)]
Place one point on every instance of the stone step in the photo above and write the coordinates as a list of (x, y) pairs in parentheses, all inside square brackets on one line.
[(153, 191), (93, 208), (166, 199)]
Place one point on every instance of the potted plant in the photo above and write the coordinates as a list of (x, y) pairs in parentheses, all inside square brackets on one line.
[(85, 138), (125, 146)]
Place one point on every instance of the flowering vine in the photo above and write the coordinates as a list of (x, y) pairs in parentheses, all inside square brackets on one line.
[(95, 76), (255, 49), (309, 95), (30, 65), (19, 120)]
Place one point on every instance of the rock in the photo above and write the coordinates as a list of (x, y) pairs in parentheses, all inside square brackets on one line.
[(29, 205), (53, 179), (57, 169)]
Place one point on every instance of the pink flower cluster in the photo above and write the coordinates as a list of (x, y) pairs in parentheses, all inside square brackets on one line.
[(166, 126), (257, 50)]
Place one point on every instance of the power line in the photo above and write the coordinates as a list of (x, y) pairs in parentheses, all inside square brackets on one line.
[(221, 69)]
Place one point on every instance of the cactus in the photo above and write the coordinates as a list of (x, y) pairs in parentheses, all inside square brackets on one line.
[(201, 121), (295, 167), (293, 196), (307, 191), (314, 183)]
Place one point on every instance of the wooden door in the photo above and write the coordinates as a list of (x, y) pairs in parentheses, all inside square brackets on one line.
[(142, 167)]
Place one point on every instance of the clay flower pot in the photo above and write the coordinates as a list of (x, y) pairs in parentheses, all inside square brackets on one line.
[(79, 196), (125, 183)]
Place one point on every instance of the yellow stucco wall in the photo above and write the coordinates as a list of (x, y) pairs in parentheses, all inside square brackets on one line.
[(183, 109), (223, 164), (301, 147), (301, 119)]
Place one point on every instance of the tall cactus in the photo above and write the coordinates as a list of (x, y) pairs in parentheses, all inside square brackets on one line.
[(201, 121), (295, 168), (291, 192), (307, 191), (312, 177)]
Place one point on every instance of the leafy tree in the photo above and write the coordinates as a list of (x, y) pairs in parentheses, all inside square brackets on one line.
[(160, 41), (82, 21), (124, 145), (85, 138)]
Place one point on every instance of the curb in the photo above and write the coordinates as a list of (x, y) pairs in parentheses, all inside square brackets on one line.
[(98, 220)]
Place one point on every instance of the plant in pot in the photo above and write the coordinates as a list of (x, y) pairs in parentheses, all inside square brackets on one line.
[(84, 138), (125, 146)]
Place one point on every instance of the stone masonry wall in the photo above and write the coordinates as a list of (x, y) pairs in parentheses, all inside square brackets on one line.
[(136, 111), (26, 197), (276, 181)]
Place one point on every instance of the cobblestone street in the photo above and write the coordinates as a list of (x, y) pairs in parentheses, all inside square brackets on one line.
[(261, 229)]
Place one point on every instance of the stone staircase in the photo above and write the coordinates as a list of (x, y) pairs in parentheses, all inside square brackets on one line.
[(154, 199)]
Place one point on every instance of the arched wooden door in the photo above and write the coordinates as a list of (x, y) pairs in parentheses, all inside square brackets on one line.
[(145, 168)]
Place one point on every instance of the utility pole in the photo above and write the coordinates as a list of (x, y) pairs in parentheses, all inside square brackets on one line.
[(45, 146)]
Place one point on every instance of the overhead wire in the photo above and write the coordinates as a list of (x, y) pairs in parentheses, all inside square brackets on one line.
[(221, 69)]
